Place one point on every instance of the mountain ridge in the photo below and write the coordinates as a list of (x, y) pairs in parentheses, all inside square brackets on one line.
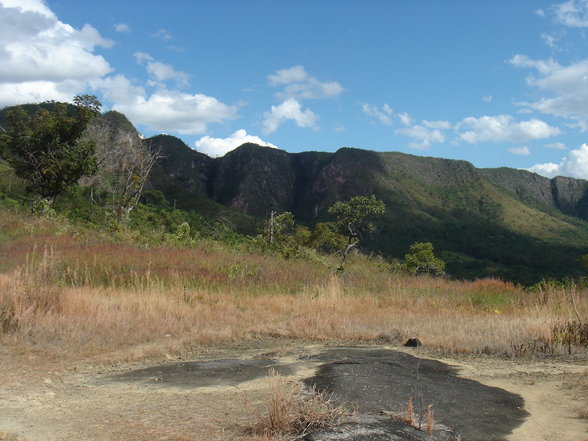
[(497, 222)]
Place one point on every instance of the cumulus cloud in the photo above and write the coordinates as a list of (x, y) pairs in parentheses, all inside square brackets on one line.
[(43, 58), (565, 88), (503, 128), (383, 114), (524, 151), (573, 13), (290, 109), (161, 72), (164, 110), (295, 74), (575, 164), (543, 66), (122, 27), (300, 85), (424, 136), (215, 147)]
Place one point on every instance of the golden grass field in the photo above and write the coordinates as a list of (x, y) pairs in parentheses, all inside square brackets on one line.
[(65, 292)]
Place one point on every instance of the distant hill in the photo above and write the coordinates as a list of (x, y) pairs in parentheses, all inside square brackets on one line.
[(500, 222)]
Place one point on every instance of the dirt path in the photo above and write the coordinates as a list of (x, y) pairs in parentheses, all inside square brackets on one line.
[(42, 400)]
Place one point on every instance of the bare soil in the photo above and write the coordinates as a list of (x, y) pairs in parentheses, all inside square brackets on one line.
[(56, 400)]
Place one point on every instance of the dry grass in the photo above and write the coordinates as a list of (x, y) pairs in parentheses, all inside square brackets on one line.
[(71, 297), (293, 411)]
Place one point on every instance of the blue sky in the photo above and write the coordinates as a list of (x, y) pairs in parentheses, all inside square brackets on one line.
[(497, 83)]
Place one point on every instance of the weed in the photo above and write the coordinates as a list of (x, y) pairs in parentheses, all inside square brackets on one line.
[(571, 334), (293, 412)]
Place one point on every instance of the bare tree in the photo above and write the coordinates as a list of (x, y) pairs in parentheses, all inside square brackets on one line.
[(124, 163)]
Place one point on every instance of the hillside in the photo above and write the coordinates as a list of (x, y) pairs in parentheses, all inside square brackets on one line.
[(504, 223)]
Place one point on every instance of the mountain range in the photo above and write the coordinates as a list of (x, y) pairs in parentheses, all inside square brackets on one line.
[(506, 223), (502, 222)]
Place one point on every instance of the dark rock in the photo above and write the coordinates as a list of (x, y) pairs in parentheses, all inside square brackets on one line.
[(379, 381), (375, 428), (413, 343), (202, 373)]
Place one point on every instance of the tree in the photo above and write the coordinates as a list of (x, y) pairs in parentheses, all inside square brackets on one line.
[(421, 260), (45, 150), (354, 218), (124, 164)]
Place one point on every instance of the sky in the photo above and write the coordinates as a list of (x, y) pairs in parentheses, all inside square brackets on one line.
[(496, 83)]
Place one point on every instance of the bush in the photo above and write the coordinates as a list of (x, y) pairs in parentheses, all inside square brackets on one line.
[(421, 260)]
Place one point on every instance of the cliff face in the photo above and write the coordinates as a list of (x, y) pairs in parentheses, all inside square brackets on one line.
[(568, 195), (180, 168), (255, 180)]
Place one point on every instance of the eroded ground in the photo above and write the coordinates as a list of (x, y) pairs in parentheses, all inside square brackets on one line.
[(54, 400)]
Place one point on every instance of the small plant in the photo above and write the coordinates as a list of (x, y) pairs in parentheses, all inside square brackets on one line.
[(293, 412), (182, 236), (421, 260), (570, 334), (409, 419), (430, 419)]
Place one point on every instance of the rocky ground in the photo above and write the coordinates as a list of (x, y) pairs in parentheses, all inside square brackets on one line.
[(217, 393)]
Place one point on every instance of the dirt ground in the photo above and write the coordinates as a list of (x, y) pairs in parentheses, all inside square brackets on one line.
[(57, 401)]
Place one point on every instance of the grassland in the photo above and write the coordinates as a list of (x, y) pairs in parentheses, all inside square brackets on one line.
[(71, 292)]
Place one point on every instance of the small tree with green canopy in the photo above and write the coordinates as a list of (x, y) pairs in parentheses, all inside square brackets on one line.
[(421, 260), (354, 218), (45, 150)]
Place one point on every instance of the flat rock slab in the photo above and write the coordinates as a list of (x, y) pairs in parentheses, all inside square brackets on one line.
[(379, 381), (202, 373), (375, 428)]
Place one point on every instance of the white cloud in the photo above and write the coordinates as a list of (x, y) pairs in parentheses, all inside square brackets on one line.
[(549, 169), (524, 151), (540, 12), (487, 98), (299, 85), (424, 135), (164, 110), (122, 27), (290, 109), (43, 58), (383, 114), (163, 34), (566, 89), (573, 13), (295, 74), (503, 128), (549, 40), (215, 147), (159, 71), (405, 119), (556, 146), (574, 165), (444, 125), (543, 66), (162, 72)]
